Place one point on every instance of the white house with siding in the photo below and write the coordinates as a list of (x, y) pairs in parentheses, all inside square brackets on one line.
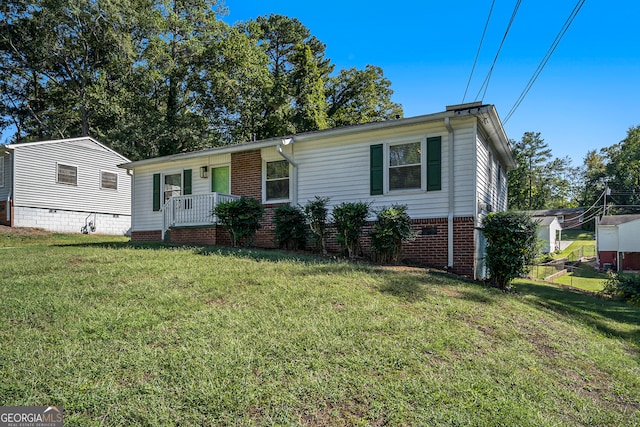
[(449, 168), (67, 185), (618, 242)]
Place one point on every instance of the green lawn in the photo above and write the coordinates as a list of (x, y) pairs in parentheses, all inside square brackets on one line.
[(583, 277), (580, 239), (147, 335)]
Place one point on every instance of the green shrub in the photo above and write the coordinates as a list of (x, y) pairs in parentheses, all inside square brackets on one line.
[(291, 232), (349, 218), (241, 218), (511, 246), (317, 216), (393, 227), (623, 286)]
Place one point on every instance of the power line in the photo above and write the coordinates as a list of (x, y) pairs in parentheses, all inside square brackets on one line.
[(545, 59), (484, 32), (485, 84)]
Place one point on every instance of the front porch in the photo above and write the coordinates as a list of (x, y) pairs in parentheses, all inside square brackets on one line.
[(192, 210)]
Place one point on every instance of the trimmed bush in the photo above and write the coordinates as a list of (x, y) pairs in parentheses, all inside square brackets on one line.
[(511, 246), (349, 218), (241, 218), (317, 216), (291, 232), (393, 227)]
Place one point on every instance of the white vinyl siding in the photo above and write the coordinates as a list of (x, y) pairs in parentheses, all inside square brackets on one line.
[(143, 216), (628, 236), (464, 169), (36, 177), (6, 189), (608, 238), (339, 169)]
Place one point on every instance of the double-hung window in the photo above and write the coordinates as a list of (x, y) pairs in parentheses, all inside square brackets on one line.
[(277, 180), (405, 166), (413, 165)]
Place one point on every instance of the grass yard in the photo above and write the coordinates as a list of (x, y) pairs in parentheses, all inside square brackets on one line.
[(583, 244), (145, 335), (583, 277)]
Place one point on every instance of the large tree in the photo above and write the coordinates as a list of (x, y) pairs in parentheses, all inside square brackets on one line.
[(540, 181), (157, 77), (58, 60), (360, 96), (623, 172)]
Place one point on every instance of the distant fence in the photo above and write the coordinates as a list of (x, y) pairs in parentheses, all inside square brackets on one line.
[(547, 269), (581, 252), (550, 270)]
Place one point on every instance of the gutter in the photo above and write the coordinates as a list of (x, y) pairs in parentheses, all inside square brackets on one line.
[(8, 206), (451, 195), (294, 184), (301, 137)]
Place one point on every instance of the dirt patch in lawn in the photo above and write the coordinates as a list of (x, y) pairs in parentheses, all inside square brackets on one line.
[(23, 231)]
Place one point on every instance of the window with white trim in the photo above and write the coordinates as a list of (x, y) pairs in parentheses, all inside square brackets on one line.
[(108, 180), (405, 166), (67, 174), (276, 180)]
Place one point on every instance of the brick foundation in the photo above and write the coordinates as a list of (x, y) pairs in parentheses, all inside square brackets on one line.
[(430, 248), (146, 236)]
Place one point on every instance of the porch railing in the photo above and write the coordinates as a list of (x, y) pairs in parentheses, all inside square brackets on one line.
[(193, 209)]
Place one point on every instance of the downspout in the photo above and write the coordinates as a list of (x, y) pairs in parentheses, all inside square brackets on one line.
[(451, 195), (12, 191), (294, 195)]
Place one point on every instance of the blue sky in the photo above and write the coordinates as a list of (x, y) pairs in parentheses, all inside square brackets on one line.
[(586, 97)]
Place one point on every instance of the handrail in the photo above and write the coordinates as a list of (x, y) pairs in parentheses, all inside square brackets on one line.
[(192, 210)]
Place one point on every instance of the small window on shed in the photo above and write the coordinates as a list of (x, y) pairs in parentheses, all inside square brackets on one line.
[(67, 174), (108, 180)]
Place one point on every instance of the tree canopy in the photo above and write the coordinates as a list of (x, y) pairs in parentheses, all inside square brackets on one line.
[(156, 77), (544, 182), (540, 181), (616, 170)]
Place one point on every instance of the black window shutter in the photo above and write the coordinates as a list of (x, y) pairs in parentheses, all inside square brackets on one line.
[(156, 192), (187, 181), (434, 163), (376, 169)]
